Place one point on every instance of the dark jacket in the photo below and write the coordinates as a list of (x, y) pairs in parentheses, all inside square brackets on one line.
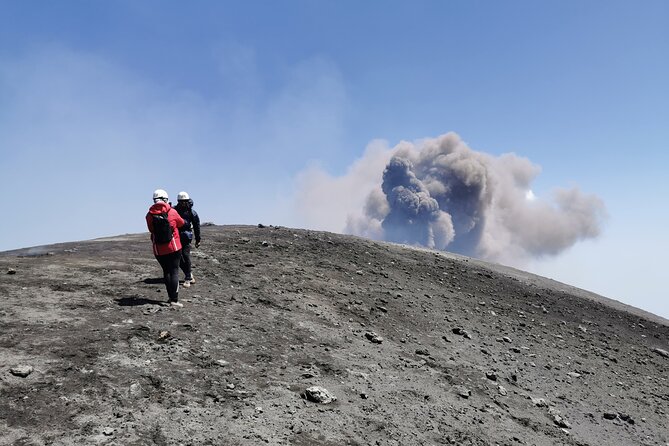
[(161, 249), (191, 225)]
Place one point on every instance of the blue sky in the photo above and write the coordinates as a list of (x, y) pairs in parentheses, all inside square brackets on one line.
[(103, 102)]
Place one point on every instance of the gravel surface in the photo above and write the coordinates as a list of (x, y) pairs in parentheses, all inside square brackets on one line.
[(299, 337)]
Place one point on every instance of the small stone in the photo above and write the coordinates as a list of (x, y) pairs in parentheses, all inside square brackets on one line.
[(574, 374), (108, 431), (625, 417), (461, 332), (230, 386), (539, 402), (610, 416), (462, 391), (164, 335), (11, 271), (501, 390), (221, 362), (423, 352), (319, 395), (661, 352), (265, 243), (21, 370), (506, 339), (561, 422), (364, 396), (373, 337), (492, 376), (135, 389)]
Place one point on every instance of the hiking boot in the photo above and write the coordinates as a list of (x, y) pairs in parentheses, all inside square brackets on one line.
[(186, 283), (192, 279), (175, 303)]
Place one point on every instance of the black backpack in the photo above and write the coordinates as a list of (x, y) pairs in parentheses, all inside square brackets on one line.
[(162, 230)]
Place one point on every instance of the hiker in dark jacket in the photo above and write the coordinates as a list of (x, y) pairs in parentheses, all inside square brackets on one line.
[(190, 230), (168, 253)]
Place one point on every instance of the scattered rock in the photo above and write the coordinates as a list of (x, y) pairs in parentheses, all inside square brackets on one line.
[(221, 362), (164, 335), (21, 370), (319, 395), (539, 402), (462, 391), (626, 418), (661, 352), (261, 226), (492, 376), (136, 390), (373, 337), (502, 391), (11, 271), (423, 352), (461, 332), (617, 418), (506, 339), (559, 421), (108, 431), (249, 264), (265, 243), (574, 374)]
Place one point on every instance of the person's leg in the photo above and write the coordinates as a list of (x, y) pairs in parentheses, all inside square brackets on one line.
[(170, 265), (185, 261), (172, 277)]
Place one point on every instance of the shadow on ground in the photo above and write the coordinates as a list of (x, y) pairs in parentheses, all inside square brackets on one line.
[(137, 301)]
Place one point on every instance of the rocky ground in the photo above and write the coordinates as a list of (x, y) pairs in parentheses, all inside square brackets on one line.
[(310, 338)]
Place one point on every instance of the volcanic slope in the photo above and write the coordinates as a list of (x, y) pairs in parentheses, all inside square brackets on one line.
[(418, 348)]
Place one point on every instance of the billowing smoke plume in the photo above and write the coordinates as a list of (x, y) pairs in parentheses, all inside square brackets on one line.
[(441, 194)]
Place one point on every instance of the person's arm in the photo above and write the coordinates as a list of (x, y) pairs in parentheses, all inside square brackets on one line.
[(149, 223), (177, 218), (196, 228)]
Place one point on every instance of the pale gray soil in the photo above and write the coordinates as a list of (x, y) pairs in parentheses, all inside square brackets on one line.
[(276, 310)]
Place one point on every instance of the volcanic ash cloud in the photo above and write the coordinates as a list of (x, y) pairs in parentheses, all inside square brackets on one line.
[(441, 194)]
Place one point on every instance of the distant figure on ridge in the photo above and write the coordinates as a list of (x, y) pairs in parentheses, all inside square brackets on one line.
[(164, 222), (190, 228)]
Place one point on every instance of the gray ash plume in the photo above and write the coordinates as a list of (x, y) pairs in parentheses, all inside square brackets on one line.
[(441, 194)]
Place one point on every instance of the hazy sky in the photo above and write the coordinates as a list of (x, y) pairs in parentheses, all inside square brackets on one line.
[(285, 113)]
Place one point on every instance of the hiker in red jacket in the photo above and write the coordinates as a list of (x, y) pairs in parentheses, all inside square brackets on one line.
[(164, 223)]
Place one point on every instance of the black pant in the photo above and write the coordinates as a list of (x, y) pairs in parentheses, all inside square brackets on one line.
[(185, 260), (170, 265)]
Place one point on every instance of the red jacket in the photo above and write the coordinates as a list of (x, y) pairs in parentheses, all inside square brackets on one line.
[(161, 249)]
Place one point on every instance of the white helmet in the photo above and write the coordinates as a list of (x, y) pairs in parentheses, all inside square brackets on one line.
[(160, 194), (183, 196)]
